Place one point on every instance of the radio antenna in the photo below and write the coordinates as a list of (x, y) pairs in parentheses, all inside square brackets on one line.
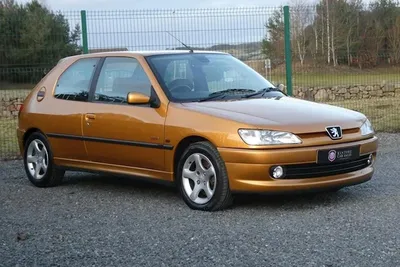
[(190, 49)]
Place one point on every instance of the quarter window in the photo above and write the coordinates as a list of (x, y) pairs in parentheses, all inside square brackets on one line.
[(120, 76), (74, 83)]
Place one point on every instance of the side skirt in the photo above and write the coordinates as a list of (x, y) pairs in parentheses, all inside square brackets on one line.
[(96, 167)]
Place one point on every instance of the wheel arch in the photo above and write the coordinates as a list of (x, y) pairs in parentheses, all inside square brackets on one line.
[(28, 133), (183, 144), (222, 197)]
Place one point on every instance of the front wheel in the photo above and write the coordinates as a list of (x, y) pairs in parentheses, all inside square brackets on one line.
[(203, 178)]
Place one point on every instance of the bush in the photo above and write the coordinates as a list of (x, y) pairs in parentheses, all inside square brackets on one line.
[(32, 40)]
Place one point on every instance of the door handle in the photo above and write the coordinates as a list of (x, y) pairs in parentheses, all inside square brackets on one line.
[(90, 117)]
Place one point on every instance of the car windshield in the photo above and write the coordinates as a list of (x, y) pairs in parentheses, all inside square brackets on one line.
[(205, 76)]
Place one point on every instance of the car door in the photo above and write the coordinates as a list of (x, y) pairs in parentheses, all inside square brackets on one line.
[(116, 132), (64, 122)]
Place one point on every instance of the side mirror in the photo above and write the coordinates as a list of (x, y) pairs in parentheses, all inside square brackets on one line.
[(281, 87), (137, 98)]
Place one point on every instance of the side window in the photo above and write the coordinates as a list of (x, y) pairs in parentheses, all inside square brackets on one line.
[(120, 76), (74, 83)]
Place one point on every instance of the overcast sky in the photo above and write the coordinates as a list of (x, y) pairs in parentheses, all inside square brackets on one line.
[(152, 4), (148, 30)]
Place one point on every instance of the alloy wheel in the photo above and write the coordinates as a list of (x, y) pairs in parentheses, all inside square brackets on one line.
[(37, 159), (199, 178)]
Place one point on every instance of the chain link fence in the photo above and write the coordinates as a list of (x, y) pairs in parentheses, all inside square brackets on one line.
[(347, 53), (341, 53)]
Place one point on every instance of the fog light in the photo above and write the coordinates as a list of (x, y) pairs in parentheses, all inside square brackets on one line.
[(277, 172), (370, 159)]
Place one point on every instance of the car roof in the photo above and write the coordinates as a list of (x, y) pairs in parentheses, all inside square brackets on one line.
[(142, 53)]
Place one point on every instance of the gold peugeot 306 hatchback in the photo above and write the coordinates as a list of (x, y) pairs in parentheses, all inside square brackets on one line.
[(203, 120)]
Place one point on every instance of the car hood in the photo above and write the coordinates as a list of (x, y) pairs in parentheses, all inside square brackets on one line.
[(281, 113)]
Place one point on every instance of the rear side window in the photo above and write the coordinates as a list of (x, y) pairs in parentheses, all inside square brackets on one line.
[(74, 83)]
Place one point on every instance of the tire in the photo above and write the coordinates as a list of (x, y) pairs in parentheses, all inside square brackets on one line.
[(38, 151), (213, 179)]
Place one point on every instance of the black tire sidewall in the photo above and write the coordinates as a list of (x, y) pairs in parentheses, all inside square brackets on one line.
[(222, 183), (48, 176)]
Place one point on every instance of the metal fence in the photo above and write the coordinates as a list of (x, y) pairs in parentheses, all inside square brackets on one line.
[(340, 53)]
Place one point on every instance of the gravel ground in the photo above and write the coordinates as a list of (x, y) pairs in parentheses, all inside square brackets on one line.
[(94, 220)]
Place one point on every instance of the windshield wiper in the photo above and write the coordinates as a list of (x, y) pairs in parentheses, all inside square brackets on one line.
[(262, 92), (223, 93)]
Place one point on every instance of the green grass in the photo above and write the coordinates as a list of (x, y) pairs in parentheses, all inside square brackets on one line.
[(383, 113), (14, 93), (8, 138), (16, 86), (340, 79)]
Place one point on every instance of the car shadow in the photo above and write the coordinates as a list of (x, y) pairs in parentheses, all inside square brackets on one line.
[(294, 201), (169, 193), (119, 182)]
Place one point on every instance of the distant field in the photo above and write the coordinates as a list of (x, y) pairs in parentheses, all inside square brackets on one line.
[(300, 78), (383, 113), (11, 86), (322, 80)]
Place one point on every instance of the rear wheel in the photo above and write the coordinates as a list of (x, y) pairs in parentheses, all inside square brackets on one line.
[(203, 180), (38, 162)]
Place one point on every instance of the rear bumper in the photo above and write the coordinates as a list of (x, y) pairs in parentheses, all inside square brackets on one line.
[(249, 169), (20, 137)]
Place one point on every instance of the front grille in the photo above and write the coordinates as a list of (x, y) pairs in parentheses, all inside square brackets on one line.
[(313, 170), (325, 134)]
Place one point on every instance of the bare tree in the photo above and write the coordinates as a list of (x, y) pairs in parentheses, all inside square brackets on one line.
[(322, 32), (333, 47), (315, 30), (342, 22), (351, 20), (349, 39), (7, 3), (335, 31), (394, 41), (300, 20), (379, 39), (328, 32)]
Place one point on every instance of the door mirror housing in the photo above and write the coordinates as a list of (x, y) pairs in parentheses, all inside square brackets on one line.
[(135, 98), (281, 86)]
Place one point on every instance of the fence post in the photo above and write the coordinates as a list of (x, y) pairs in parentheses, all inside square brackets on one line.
[(288, 52), (84, 32)]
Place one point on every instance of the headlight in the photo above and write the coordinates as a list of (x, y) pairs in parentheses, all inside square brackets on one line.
[(367, 128), (265, 137)]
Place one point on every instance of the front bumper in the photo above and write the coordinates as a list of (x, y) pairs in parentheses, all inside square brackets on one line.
[(249, 169)]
